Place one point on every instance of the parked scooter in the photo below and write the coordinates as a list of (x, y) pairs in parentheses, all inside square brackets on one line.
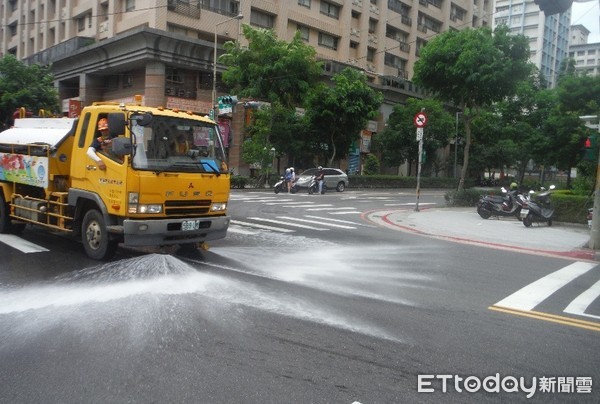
[(539, 208), (313, 186), (508, 204), (281, 186)]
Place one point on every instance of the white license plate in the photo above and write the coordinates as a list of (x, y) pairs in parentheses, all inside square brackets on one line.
[(524, 212), (188, 225)]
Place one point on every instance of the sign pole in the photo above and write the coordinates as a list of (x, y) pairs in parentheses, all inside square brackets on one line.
[(420, 120), (420, 139)]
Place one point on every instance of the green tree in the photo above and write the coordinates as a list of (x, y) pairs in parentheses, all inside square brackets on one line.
[(371, 165), (471, 69), (338, 113), (397, 143), (31, 87), (270, 69)]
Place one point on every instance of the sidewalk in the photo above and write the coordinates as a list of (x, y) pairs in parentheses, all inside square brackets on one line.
[(466, 226)]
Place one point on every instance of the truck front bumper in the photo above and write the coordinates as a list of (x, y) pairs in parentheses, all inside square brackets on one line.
[(172, 231)]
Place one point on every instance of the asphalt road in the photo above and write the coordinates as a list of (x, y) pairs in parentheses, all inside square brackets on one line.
[(308, 299)]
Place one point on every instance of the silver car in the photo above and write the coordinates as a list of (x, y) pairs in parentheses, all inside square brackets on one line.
[(334, 178)]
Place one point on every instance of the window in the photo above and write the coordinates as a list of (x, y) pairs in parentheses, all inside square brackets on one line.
[(129, 5), (304, 3), (220, 6), (330, 10), (370, 54), (304, 32), (13, 29), (353, 45), (173, 76), (81, 24), (372, 26), (394, 61), (262, 20), (328, 41)]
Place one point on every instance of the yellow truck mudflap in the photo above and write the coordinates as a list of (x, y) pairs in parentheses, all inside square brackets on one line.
[(174, 231)]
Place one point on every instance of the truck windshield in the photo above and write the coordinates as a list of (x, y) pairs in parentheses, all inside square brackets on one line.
[(178, 145)]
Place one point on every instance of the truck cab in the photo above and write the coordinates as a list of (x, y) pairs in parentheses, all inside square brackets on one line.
[(165, 181)]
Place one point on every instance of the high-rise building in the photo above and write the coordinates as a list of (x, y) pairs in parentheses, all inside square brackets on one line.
[(586, 55), (164, 49), (548, 34)]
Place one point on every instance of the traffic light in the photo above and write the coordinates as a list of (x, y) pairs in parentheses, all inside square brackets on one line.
[(228, 100), (590, 148)]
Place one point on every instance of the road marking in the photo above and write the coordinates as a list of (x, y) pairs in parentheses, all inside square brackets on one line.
[(340, 221), (351, 212), (260, 219), (333, 208), (261, 226), (588, 325), (409, 204), (20, 244), (534, 293), (582, 302), (341, 226)]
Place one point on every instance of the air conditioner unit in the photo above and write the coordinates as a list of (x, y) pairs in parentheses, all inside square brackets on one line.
[(371, 67), (354, 31), (103, 27)]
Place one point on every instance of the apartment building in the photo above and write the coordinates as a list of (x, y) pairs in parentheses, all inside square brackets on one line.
[(586, 55), (548, 34), (164, 49)]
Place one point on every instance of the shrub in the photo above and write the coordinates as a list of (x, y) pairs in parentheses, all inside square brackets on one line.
[(238, 181), (467, 197), (371, 165)]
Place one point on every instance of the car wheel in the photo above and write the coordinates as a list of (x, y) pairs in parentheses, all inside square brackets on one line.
[(340, 186)]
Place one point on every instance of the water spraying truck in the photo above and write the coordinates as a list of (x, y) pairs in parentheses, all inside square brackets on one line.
[(164, 180)]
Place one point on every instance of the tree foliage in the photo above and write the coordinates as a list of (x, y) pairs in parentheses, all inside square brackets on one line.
[(31, 87), (337, 113), (270, 69), (471, 69), (397, 143)]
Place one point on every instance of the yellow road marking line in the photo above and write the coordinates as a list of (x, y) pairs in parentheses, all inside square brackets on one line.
[(588, 325)]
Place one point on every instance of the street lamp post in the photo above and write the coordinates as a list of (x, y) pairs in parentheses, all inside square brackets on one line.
[(214, 88)]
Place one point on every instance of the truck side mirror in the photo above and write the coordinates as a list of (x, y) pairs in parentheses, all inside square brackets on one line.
[(142, 119), (121, 146), (116, 124)]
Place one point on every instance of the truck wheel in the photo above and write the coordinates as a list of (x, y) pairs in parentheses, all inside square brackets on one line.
[(4, 218), (95, 238)]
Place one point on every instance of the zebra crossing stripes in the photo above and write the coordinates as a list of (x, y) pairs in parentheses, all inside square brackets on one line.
[(20, 244)]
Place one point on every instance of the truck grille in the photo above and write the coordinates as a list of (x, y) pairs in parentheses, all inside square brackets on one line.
[(185, 208)]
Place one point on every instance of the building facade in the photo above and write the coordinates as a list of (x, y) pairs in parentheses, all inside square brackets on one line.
[(548, 34), (164, 49), (586, 55)]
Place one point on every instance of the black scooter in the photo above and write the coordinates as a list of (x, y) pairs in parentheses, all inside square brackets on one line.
[(500, 205), (539, 208), (313, 186)]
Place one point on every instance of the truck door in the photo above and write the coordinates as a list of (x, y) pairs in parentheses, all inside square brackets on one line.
[(109, 184)]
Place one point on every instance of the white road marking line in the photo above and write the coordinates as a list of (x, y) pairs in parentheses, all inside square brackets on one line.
[(408, 204), (581, 303), (333, 208), (311, 205), (261, 226), (286, 223), (19, 244), (338, 220), (316, 222), (353, 212), (239, 230), (286, 202), (534, 293)]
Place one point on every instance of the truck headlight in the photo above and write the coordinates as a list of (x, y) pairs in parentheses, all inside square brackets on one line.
[(218, 207), (156, 208), (134, 206)]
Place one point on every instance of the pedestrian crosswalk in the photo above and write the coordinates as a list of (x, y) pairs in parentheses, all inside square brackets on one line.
[(527, 300), (317, 217)]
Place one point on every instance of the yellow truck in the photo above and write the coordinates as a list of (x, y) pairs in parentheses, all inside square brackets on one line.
[(161, 180)]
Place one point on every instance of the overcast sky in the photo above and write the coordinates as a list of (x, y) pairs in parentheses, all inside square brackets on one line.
[(588, 15)]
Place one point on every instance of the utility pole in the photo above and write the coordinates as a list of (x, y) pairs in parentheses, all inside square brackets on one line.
[(420, 120), (594, 242)]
